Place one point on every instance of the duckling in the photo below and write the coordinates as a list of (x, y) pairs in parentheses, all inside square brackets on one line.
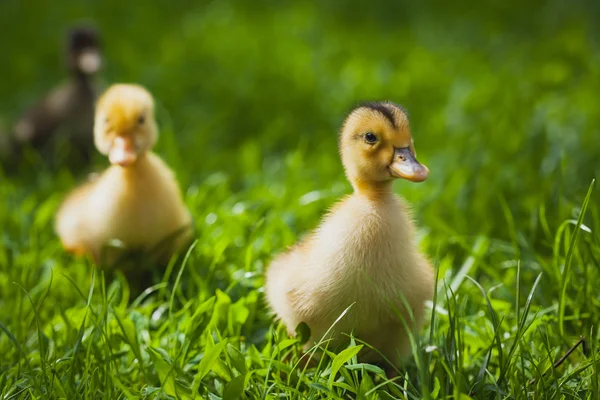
[(363, 254), (69, 108), (137, 200)]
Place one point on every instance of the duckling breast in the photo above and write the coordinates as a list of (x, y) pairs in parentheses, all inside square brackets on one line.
[(366, 251), (139, 207)]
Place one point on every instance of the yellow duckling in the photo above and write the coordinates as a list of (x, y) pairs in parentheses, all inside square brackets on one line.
[(137, 199), (364, 253)]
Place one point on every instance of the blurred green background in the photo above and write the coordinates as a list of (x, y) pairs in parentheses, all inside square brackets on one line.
[(501, 95), (503, 98)]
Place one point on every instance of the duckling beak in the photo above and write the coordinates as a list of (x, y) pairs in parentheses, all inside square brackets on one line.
[(89, 61), (122, 151), (405, 165)]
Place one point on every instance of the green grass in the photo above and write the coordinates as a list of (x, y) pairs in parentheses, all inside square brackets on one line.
[(504, 110)]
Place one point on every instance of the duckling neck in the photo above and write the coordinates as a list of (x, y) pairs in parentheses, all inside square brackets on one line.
[(81, 77), (143, 165), (374, 190)]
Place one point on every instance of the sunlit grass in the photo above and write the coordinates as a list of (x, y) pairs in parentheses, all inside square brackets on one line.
[(69, 331)]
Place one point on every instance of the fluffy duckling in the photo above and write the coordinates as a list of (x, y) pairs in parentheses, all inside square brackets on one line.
[(69, 108), (137, 199), (363, 254)]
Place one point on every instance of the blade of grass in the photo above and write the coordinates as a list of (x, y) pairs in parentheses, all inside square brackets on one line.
[(567, 269), (470, 265)]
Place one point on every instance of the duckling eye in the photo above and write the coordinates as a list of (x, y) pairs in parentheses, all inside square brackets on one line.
[(141, 119), (370, 138)]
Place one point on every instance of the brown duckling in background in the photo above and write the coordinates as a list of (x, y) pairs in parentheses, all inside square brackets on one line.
[(68, 109), (137, 200), (363, 254)]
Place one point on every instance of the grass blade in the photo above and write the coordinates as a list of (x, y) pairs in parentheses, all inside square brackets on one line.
[(567, 269)]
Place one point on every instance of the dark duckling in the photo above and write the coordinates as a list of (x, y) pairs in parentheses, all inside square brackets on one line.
[(66, 113)]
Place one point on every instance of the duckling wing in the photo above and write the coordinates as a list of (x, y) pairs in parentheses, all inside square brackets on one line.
[(284, 287)]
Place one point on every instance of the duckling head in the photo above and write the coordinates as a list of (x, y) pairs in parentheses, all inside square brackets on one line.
[(83, 48), (376, 146), (125, 127)]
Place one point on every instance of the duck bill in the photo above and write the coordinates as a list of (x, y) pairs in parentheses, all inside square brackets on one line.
[(89, 61), (122, 152), (405, 165)]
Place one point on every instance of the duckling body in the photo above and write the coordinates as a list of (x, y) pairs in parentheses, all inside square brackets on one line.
[(138, 206), (137, 200), (363, 256)]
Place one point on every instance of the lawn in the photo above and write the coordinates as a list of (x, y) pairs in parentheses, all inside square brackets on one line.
[(504, 109)]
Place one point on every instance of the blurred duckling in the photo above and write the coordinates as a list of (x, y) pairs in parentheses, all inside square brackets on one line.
[(363, 254), (68, 109), (136, 201)]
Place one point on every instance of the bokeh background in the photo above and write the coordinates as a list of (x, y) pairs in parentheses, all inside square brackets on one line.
[(501, 95), (503, 98)]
